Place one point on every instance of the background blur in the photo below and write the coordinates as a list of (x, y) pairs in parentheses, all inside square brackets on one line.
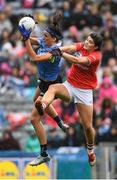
[(18, 80)]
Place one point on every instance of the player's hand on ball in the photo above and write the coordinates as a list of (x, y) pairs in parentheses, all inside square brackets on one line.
[(25, 33), (56, 52)]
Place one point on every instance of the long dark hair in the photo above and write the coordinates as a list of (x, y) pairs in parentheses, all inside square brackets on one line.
[(54, 25)]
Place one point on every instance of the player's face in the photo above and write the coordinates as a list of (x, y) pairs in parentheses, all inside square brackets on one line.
[(89, 44), (49, 40)]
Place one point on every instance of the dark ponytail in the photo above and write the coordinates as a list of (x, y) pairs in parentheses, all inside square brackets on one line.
[(55, 24), (56, 19)]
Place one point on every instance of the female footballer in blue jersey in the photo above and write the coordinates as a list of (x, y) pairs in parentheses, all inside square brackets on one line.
[(48, 70)]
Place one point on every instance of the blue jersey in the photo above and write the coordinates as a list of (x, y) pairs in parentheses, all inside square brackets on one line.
[(48, 70)]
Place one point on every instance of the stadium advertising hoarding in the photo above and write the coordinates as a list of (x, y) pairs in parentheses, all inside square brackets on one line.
[(18, 168)]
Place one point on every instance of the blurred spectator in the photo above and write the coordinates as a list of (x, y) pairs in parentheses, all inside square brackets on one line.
[(5, 23), (74, 34), (112, 64), (55, 138), (110, 30), (114, 114), (107, 90), (113, 133), (108, 5), (74, 136), (31, 143), (94, 20), (2, 4), (85, 32), (16, 119), (8, 142), (45, 4), (3, 121), (106, 108), (29, 3), (66, 9), (104, 121), (69, 113), (79, 18), (108, 51)]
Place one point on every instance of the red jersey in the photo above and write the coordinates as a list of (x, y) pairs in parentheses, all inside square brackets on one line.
[(84, 76)]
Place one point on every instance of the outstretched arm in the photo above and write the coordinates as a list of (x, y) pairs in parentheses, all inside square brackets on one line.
[(70, 48), (71, 58), (76, 60), (33, 55)]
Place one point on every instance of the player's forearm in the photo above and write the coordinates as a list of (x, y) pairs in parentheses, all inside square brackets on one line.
[(33, 55), (70, 48), (76, 60), (44, 57), (30, 51)]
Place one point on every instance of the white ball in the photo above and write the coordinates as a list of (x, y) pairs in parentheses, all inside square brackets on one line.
[(28, 23)]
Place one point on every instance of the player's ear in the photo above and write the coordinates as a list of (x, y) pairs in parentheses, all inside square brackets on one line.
[(54, 39), (96, 47)]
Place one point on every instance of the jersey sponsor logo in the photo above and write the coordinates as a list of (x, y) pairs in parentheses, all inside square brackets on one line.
[(52, 59), (77, 54)]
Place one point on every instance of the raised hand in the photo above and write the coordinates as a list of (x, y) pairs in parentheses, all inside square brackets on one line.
[(25, 33), (56, 52)]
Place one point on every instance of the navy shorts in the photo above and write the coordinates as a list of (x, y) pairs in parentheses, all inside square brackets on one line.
[(44, 85)]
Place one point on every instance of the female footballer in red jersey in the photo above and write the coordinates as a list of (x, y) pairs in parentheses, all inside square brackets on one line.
[(79, 85)]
